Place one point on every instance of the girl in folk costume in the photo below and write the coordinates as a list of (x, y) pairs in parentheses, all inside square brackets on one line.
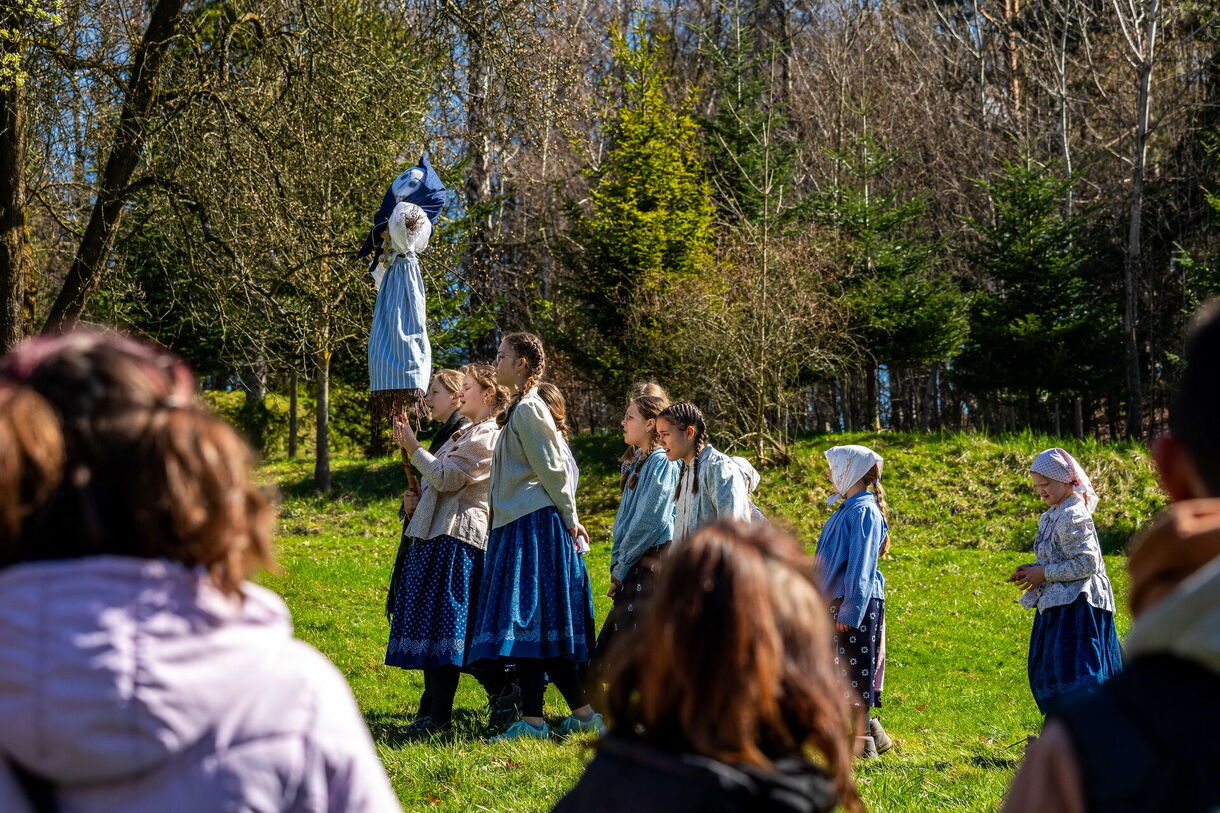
[(1073, 645), (639, 389), (442, 401), (644, 524), (851, 542), (558, 407), (710, 485), (536, 609), (436, 581)]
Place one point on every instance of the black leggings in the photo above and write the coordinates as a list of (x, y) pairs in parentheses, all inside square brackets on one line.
[(562, 672), (440, 686)]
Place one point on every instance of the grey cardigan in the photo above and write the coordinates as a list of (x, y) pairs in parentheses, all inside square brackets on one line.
[(454, 503), (1068, 550), (529, 470)]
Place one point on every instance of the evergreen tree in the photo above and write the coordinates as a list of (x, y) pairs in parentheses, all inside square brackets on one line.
[(648, 226), (1044, 318), (907, 310)]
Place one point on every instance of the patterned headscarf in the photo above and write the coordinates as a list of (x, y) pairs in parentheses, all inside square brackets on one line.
[(847, 465), (1058, 465)]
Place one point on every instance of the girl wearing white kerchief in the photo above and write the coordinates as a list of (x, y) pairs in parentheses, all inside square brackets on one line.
[(852, 541), (1073, 646)]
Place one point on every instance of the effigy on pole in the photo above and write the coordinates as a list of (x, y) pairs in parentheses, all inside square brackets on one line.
[(399, 353)]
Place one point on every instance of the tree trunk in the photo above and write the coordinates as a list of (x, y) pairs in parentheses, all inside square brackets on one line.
[(115, 181), (478, 190), (253, 375), (872, 413), (1079, 418), (1132, 256), (14, 246), (321, 467), (292, 415)]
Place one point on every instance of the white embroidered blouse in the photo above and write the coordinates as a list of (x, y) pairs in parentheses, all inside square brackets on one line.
[(1068, 549)]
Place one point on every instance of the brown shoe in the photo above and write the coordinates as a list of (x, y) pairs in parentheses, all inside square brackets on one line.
[(879, 735)]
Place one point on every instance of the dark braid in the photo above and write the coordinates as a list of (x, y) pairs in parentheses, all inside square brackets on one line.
[(684, 415), (650, 407), (529, 347)]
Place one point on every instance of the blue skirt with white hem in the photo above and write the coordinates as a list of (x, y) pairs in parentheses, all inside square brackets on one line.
[(535, 600), (435, 587)]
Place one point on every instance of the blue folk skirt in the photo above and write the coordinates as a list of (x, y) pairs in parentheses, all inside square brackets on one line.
[(434, 595), (1072, 648), (535, 600)]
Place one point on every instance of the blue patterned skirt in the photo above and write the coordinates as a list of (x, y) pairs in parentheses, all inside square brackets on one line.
[(859, 654), (1072, 648), (535, 600), (434, 593)]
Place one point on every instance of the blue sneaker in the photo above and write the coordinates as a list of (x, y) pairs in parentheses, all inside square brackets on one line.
[(575, 725), (522, 730)]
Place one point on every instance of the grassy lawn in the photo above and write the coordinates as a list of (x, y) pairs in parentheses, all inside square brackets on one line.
[(956, 695)]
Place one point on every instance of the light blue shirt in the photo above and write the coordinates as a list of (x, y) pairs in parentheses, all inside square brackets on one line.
[(645, 516), (847, 556)]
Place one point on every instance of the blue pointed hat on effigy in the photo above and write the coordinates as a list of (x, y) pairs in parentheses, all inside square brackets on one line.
[(419, 185)]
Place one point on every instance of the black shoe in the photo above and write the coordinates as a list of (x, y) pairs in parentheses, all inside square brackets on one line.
[(504, 708), (424, 728)]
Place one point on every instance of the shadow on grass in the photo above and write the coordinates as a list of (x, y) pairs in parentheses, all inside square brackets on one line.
[(359, 483), (469, 725), (992, 760)]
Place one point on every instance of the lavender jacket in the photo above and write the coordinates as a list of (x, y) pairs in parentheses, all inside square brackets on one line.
[(134, 685)]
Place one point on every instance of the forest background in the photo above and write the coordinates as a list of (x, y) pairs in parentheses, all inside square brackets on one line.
[(806, 216)]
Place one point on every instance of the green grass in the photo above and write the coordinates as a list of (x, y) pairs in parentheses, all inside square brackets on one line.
[(956, 695)]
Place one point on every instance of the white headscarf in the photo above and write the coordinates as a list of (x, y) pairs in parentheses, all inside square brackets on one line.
[(847, 465), (1058, 465), (748, 472)]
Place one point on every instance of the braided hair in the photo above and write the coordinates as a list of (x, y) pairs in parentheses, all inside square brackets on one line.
[(529, 347), (873, 478), (649, 407), (685, 415)]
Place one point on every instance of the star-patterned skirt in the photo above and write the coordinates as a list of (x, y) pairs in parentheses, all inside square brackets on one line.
[(628, 607), (434, 598), (859, 654)]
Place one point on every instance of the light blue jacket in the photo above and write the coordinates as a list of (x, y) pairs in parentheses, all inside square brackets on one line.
[(645, 516), (847, 555), (722, 494)]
